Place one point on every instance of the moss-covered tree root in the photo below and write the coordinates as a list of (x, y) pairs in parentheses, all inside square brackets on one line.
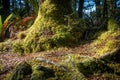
[(100, 65), (55, 26)]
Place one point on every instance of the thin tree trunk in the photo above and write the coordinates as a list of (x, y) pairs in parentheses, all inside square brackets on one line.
[(20, 4), (74, 4), (6, 4), (105, 9), (13, 3), (113, 7), (80, 9), (27, 7), (105, 14), (98, 8)]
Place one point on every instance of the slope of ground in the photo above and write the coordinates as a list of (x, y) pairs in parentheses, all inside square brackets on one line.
[(83, 60), (10, 60)]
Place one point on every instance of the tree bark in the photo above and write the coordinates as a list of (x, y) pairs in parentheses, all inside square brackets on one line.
[(105, 14), (98, 8), (13, 3), (112, 8), (6, 4), (105, 9), (80, 9)]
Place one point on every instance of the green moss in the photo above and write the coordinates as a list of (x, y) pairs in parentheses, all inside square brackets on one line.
[(1, 47), (67, 71), (116, 67), (21, 71), (110, 76), (93, 66), (112, 25), (8, 76), (21, 35), (5, 46), (37, 75), (106, 42), (17, 47), (1, 65), (42, 73)]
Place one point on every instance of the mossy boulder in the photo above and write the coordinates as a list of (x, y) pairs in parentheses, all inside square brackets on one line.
[(42, 73), (21, 71), (92, 66), (105, 63), (37, 75), (112, 57)]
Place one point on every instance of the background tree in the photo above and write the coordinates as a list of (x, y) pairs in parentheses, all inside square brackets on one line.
[(112, 8), (74, 4), (105, 9), (6, 4), (105, 14), (80, 8), (13, 3), (98, 8)]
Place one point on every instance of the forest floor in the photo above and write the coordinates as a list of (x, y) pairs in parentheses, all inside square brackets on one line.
[(9, 60), (108, 42)]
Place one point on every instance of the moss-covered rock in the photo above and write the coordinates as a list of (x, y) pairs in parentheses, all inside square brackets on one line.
[(21, 71), (42, 73), (37, 75), (112, 57), (92, 66)]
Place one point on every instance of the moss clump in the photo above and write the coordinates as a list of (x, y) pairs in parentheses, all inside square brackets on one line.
[(54, 27), (2, 47), (92, 66), (116, 67), (37, 75), (112, 25), (21, 35), (42, 73), (21, 71), (107, 42), (17, 47), (1, 66), (5, 46)]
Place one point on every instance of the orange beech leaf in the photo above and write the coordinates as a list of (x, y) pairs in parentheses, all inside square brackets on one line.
[(25, 20)]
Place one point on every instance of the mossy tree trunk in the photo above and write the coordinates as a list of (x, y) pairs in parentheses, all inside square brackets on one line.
[(50, 28)]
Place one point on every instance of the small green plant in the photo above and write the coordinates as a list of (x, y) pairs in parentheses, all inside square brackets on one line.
[(112, 25), (4, 25)]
